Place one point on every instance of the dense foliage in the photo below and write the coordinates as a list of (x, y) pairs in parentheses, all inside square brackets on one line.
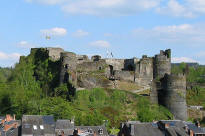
[(32, 88)]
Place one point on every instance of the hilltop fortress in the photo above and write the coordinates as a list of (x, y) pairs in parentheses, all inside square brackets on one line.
[(167, 89)]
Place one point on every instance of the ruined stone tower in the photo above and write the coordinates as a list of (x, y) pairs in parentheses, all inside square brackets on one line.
[(174, 90), (168, 89), (162, 64), (68, 66)]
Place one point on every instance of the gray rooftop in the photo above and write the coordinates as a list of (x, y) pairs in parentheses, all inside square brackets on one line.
[(64, 125), (38, 125), (146, 129)]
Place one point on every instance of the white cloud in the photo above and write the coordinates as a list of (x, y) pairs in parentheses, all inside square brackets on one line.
[(182, 59), (102, 7), (109, 7), (185, 33), (174, 8), (177, 8), (49, 2), (188, 8), (196, 5), (54, 31), (100, 43), (12, 56), (80, 33), (25, 44)]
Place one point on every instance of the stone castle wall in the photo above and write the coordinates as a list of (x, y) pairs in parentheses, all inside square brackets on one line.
[(144, 71), (118, 64), (54, 53)]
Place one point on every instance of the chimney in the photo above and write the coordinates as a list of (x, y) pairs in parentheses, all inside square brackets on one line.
[(94, 134), (191, 133), (167, 125)]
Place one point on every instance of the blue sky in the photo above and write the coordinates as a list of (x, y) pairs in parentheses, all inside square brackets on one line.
[(127, 28)]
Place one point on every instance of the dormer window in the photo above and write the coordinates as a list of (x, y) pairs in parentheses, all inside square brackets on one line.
[(90, 130), (100, 131), (34, 127), (41, 127)]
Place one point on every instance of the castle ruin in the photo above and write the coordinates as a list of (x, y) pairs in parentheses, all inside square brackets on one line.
[(167, 89)]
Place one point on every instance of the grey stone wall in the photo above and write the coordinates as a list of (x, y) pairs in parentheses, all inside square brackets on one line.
[(155, 87), (124, 75), (54, 53), (144, 71), (92, 66), (118, 64), (82, 58)]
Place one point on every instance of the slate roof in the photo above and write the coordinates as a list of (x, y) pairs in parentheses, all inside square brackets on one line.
[(176, 131), (64, 125), (146, 129), (38, 125), (172, 123)]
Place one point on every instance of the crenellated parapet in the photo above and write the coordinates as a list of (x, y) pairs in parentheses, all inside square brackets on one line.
[(162, 64)]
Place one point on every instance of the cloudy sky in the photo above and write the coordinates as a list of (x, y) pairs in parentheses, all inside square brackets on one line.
[(127, 28)]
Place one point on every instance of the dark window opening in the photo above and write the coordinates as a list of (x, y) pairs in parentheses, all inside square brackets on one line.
[(130, 68), (66, 66), (111, 70)]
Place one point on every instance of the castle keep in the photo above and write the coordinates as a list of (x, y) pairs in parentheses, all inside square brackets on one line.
[(167, 89)]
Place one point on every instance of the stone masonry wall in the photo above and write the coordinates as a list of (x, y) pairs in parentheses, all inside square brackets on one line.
[(144, 71)]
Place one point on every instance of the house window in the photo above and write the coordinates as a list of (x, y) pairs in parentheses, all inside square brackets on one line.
[(41, 127), (34, 127)]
